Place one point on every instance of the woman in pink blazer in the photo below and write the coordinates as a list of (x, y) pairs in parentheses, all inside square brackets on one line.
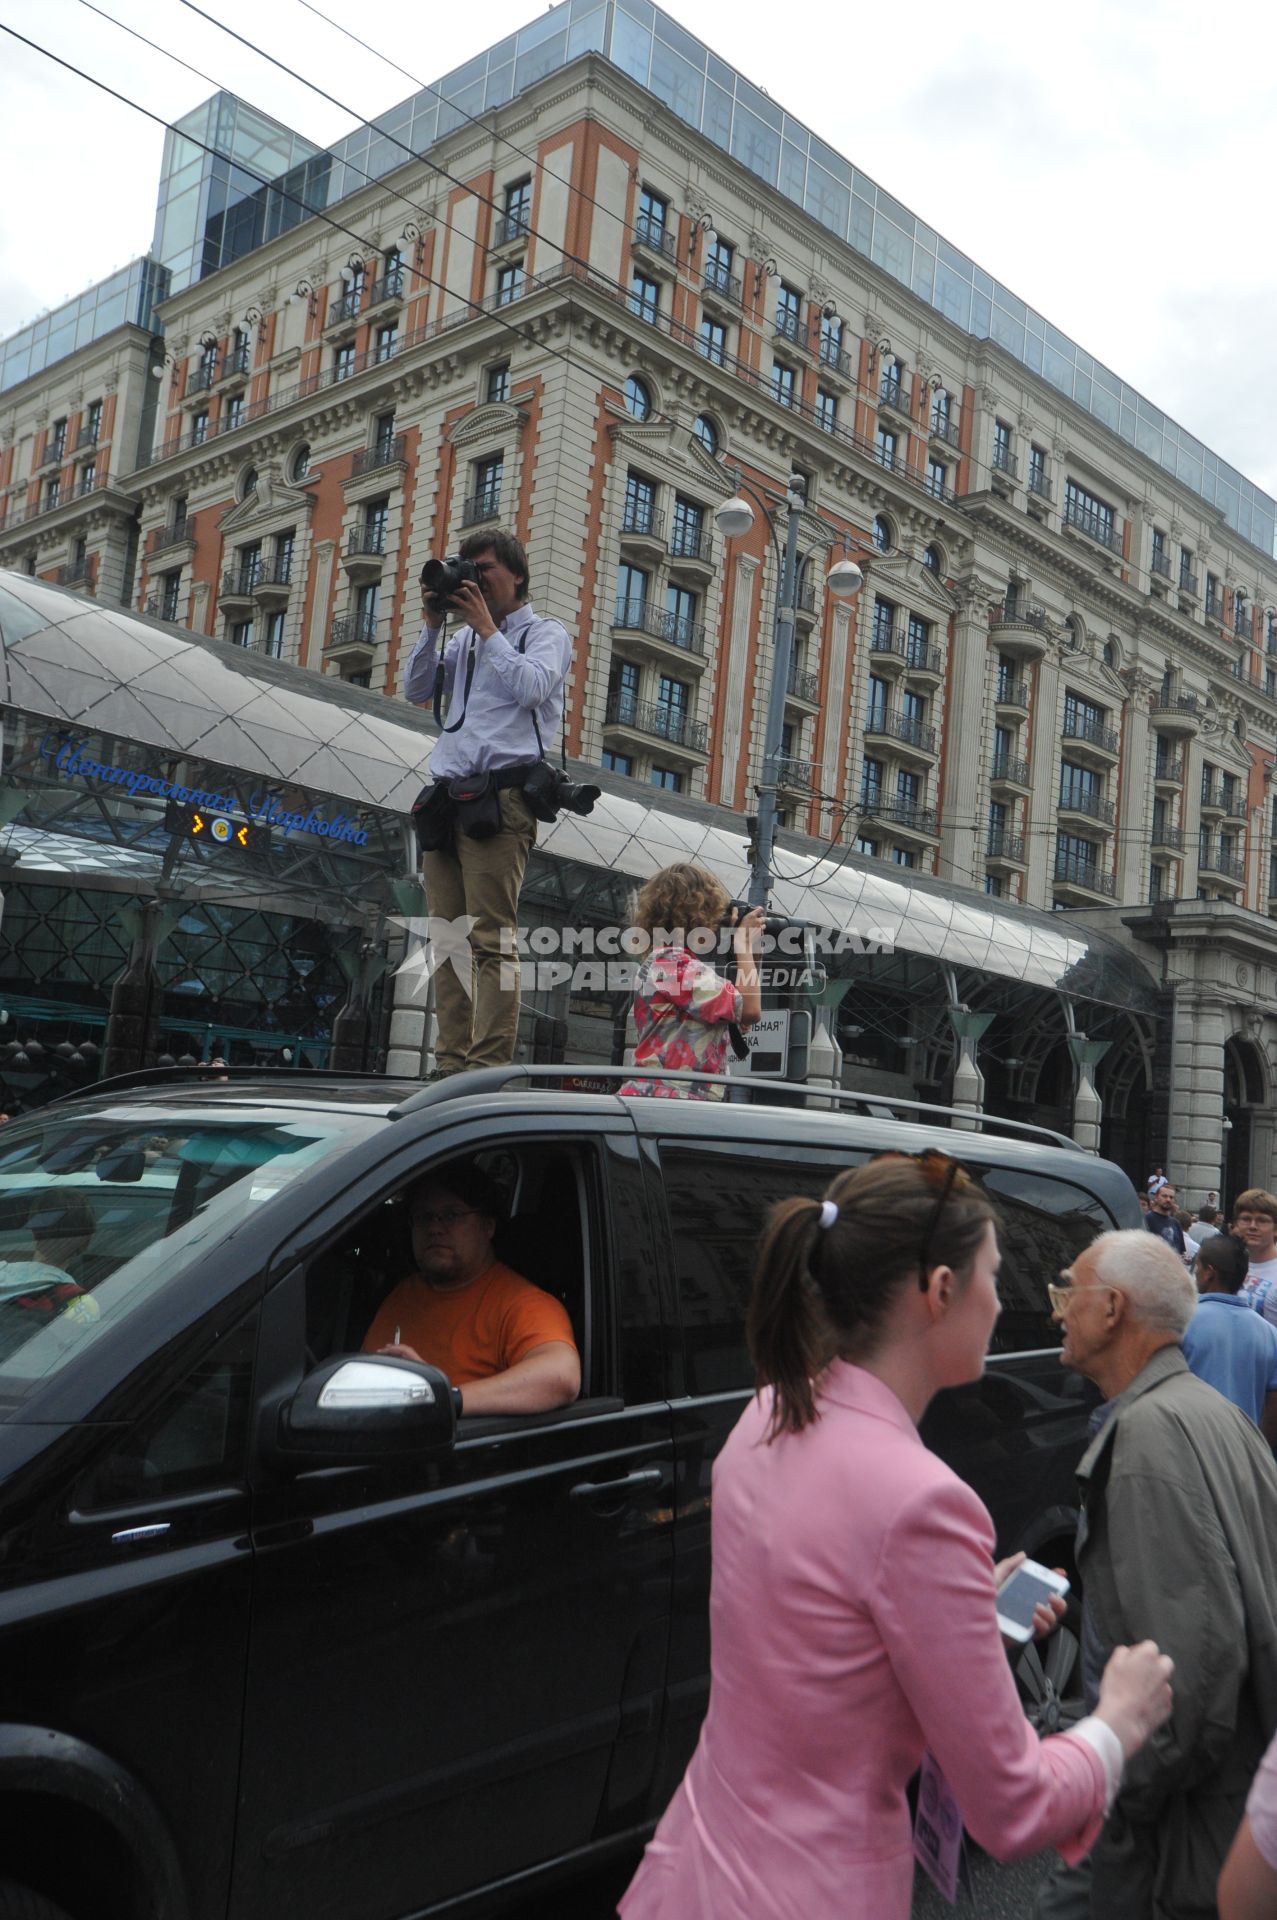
[(852, 1608)]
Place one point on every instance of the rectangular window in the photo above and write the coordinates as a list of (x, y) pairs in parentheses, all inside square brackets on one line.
[(788, 310), (1003, 458), (1082, 718), (625, 681), (883, 621), (1241, 613), (486, 496), (170, 588), (1037, 470), (509, 283), (666, 777), (1092, 515), (387, 339), (713, 341), (783, 379), (917, 642), (639, 512), (518, 208), (498, 383), (367, 610), (673, 695), (616, 762), (1160, 562), (383, 435), (88, 477), (878, 694), (719, 256), (284, 543), (376, 524), (273, 640), (645, 297), (53, 491), (937, 479), (344, 361), (904, 857), (826, 409), (93, 422), (199, 429), (908, 789), (392, 262), (1186, 573), (994, 886), (687, 537), (913, 706), (631, 596), (830, 339), (871, 783), (885, 450), (241, 633), (1079, 786), (865, 845), (233, 416), (653, 214), (1214, 598), (680, 612), (249, 571)]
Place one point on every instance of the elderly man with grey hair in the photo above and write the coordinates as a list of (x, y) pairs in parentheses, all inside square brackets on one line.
[(1178, 1544)]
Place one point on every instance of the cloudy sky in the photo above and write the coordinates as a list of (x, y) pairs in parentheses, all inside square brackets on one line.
[(1109, 162)]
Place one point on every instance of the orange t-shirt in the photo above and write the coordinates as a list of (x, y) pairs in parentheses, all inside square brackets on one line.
[(479, 1330)]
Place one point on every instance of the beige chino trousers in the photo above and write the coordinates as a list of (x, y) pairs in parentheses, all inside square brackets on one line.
[(482, 878)]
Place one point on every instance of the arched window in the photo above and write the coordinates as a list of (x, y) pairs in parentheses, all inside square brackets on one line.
[(638, 399), (300, 466), (249, 483), (707, 433), (933, 561), (884, 534)]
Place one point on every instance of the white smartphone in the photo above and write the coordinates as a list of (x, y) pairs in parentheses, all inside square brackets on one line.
[(1017, 1597)]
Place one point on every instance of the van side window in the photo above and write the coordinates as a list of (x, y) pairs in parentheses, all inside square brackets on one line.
[(1045, 1223), (718, 1204)]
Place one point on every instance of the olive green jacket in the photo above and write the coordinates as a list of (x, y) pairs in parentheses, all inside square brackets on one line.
[(1178, 1544)]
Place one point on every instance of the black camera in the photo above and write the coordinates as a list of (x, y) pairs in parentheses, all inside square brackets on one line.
[(549, 792), (773, 925), (442, 578)]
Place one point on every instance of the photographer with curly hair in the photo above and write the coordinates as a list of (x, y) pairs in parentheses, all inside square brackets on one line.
[(683, 1008), (853, 1602)]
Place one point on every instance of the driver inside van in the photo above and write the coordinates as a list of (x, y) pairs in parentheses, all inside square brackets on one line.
[(506, 1343)]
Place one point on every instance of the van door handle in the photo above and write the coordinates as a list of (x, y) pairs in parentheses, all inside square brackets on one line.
[(608, 1489), (134, 1536)]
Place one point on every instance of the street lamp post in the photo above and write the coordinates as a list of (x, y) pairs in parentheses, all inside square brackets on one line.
[(844, 580)]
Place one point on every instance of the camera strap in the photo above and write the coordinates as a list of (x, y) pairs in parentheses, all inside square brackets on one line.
[(456, 725)]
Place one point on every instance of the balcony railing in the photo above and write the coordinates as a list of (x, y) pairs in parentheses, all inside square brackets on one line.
[(1011, 692), (1015, 613), (236, 361), (54, 453), (797, 774), (946, 429), (388, 287), (901, 726), (1170, 837), (241, 580), (1009, 767), (1093, 732), (804, 686), (1214, 606), (1039, 484), (635, 616), (353, 629), (176, 534), (346, 307), (1072, 872), (1160, 564), (1258, 679), (1004, 461), (88, 437), (1164, 702), (920, 658), (1212, 859), (1002, 845), (892, 394), (884, 638), (365, 540), (1097, 526), (1213, 795), (805, 601), (656, 236), (383, 453), (663, 723), (1082, 800), (71, 576), (899, 813), (689, 542), (1188, 582), (835, 359), (720, 281), (276, 572), (642, 520), (485, 505), (1172, 770), (788, 327)]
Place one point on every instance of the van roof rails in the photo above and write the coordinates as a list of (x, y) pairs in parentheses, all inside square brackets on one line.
[(499, 1079)]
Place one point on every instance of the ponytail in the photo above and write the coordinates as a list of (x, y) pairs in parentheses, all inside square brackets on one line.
[(790, 1340)]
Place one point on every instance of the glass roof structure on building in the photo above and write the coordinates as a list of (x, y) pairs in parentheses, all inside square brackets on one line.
[(127, 297), (99, 670)]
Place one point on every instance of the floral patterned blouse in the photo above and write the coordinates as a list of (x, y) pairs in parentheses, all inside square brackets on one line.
[(682, 1009)]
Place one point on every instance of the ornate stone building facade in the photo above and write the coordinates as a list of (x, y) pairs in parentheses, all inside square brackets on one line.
[(580, 316)]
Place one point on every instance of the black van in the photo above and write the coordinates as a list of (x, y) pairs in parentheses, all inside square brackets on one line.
[(271, 1647)]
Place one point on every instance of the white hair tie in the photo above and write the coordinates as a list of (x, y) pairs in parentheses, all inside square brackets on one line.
[(828, 1213)]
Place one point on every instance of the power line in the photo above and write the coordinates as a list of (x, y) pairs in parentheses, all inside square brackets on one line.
[(419, 273)]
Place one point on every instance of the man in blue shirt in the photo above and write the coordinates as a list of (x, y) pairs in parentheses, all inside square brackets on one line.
[(504, 671), (1225, 1344)]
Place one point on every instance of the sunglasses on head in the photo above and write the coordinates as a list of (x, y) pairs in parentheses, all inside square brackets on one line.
[(944, 1176)]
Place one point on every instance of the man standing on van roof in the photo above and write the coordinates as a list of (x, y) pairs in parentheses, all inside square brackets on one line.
[(1178, 1542), (506, 1343)]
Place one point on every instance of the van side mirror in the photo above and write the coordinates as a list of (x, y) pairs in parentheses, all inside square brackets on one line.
[(365, 1408)]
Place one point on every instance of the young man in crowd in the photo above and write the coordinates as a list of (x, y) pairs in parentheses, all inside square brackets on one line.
[(1255, 1223)]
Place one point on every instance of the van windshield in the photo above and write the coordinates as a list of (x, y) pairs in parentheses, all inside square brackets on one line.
[(97, 1214)]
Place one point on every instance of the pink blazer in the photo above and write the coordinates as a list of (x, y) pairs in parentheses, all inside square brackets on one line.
[(852, 1622)]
